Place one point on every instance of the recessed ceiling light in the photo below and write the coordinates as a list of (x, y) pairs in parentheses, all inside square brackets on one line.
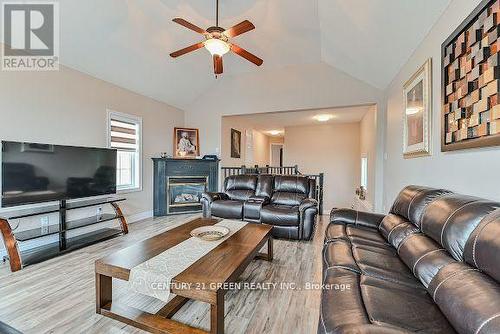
[(323, 117), (274, 132)]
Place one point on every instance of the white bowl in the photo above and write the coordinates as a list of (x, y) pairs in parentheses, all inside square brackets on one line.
[(210, 233)]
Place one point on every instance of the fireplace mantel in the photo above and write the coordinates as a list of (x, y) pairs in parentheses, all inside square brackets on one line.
[(169, 173)]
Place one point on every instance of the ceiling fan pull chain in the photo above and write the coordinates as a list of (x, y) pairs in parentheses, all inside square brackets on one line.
[(217, 13)]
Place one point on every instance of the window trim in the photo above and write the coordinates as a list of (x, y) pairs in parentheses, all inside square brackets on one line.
[(134, 119)]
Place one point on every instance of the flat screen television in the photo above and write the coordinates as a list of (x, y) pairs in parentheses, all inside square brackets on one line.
[(37, 173)]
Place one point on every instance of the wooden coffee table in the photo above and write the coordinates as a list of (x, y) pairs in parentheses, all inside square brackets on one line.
[(201, 281)]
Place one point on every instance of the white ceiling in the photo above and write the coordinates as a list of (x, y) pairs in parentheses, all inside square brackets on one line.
[(127, 42), (278, 121)]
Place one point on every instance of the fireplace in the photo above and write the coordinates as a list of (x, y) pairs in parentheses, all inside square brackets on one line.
[(184, 193), (179, 183)]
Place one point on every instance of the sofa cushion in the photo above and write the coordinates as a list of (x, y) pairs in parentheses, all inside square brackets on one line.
[(356, 235), (352, 301), (424, 257), (228, 209), (451, 220), (469, 299), (338, 254), (482, 250), (384, 264), (287, 198), (389, 223), (240, 182), (291, 183), (363, 250), (290, 190), (282, 215), (341, 303), (395, 229), (412, 201), (361, 233), (240, 187), (389, 303)]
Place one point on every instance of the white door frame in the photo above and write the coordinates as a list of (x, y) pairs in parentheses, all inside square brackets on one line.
[(271, 152)]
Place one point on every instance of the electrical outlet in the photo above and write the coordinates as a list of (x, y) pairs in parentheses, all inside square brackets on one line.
[(44, 221), (99, 213)]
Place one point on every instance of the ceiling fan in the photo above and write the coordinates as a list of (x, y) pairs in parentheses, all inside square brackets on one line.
[(217, 41)]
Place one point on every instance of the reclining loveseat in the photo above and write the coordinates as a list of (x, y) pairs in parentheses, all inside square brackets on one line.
[(285, 202)]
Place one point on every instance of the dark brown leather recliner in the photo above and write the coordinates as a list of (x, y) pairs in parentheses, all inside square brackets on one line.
[(229, 204), (291, 209), (432, 265), (286, 202)]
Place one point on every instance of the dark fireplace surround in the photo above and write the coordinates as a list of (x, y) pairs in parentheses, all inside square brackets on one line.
[(179, 183)]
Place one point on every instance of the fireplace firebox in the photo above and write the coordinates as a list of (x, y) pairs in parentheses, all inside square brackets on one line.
[(184, 193), (179, 184)]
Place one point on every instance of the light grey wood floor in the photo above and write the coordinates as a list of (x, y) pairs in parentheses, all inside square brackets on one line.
[(57, 296)]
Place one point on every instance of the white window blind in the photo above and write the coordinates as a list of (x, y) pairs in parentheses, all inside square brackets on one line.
[(124, 135)]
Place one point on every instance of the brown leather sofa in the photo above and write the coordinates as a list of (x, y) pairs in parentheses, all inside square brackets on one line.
[(286, 202), (432, 265)]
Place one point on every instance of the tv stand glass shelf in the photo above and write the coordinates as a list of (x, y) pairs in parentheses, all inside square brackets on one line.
[(64, 244)]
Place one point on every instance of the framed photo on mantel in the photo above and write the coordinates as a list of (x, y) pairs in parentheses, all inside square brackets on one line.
[(186, 143), (470, 87), (417, 114)]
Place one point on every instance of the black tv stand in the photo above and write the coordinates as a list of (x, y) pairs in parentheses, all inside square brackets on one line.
[(18, 259)]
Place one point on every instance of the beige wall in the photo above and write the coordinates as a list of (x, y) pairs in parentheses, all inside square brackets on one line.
[(261, 148), (467, 171), (253, 152), (288, 89), (333, 149), (368, 142), (69, 108), (229, 123)]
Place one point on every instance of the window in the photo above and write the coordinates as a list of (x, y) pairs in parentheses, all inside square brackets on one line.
[(125, 135), (364, 172)]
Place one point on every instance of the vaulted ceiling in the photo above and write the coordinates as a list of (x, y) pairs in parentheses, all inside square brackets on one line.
[(127, 42)]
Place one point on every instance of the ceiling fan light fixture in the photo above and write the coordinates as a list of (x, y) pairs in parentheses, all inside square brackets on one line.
[(216, 46)]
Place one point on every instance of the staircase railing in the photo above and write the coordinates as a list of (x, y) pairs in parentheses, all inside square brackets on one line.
[(281, 170)]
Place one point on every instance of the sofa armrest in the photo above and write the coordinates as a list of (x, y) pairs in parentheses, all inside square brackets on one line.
[(211, 196), (353, 217), (259, 199), (307, 204)]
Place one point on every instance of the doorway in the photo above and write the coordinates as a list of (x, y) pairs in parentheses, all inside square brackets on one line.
[(276, 155)]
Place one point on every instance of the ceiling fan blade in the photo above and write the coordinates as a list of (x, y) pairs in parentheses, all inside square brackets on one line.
[(239, 29), (247, 55), (218, 69), (189, 25), (186, 50)]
